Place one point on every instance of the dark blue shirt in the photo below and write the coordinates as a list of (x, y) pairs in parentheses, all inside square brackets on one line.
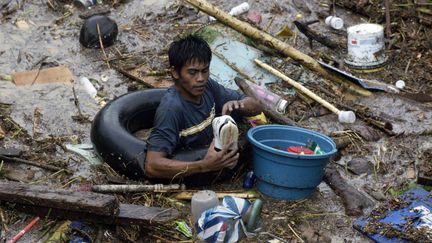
[(181, 124)]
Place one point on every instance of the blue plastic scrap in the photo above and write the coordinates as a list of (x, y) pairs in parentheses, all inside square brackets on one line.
[(416, 214), (240, 55), (81, 232)]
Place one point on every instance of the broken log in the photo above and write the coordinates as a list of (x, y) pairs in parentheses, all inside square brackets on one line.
[(367, 116), (96, 203), (354, 201), (272, 114), (273, 42)]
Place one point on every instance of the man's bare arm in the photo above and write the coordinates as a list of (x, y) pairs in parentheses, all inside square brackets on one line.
[(157, 164), (247, 107)]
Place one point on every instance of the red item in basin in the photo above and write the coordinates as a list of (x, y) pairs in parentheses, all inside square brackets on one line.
[(299, 150)]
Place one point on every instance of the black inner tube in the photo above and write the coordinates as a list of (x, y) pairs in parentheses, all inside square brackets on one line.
[(112, 135)]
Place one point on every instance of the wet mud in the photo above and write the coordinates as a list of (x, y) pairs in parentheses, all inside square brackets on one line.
[(40, 119)]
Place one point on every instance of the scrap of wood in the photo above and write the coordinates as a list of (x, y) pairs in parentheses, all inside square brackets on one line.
[(275, 43), (2, 133), (313, 35), (28, 162), (60, 74), (354, 201), (37, 114), (187, 195), (138, 74), (43, 196)]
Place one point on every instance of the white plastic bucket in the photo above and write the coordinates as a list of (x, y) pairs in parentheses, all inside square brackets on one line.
[(365, 46)]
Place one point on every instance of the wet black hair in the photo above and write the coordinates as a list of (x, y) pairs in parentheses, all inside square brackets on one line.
[(187, 49)]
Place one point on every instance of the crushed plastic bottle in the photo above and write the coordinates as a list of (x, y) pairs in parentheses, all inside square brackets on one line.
[(271, 99), (312, 145)]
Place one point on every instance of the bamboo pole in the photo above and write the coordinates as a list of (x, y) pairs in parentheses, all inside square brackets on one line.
[(136, 188), (187, 195), (272, 42), (344, 116)]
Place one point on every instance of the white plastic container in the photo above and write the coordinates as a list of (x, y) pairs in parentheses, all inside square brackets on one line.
[(334, 22), (88, 86), (365, 46), (201, 201), (240, 9), (400, 84), (237, 10)]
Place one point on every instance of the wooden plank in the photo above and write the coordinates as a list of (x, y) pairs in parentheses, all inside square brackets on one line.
[(424, 173), (60, 74), (137, 214), (129, 214), (95, 203)]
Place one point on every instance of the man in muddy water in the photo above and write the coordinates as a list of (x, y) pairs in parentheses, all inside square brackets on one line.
[(184, 116)]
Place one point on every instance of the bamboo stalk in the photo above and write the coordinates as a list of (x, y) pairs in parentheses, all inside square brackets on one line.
[(246, 194), (299, 87), (273, 42), (295, 233), (136, 188)]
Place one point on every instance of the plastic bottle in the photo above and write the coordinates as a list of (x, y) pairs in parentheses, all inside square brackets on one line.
[(201, 201), (271, 99), (334, 22), (237, 10), (88, 86), (240, 9)]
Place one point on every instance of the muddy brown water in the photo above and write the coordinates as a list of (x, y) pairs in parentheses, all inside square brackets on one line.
[(23, 49)]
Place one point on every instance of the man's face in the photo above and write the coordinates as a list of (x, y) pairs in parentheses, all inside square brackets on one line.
[(192, 80)]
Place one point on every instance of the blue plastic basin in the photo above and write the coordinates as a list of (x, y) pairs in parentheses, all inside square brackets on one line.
[(284, 175)]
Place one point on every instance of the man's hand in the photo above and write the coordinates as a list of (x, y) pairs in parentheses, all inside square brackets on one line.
[(215, 160), (232, 105)]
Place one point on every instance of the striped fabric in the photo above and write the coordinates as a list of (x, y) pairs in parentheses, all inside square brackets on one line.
[(223, 223)]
